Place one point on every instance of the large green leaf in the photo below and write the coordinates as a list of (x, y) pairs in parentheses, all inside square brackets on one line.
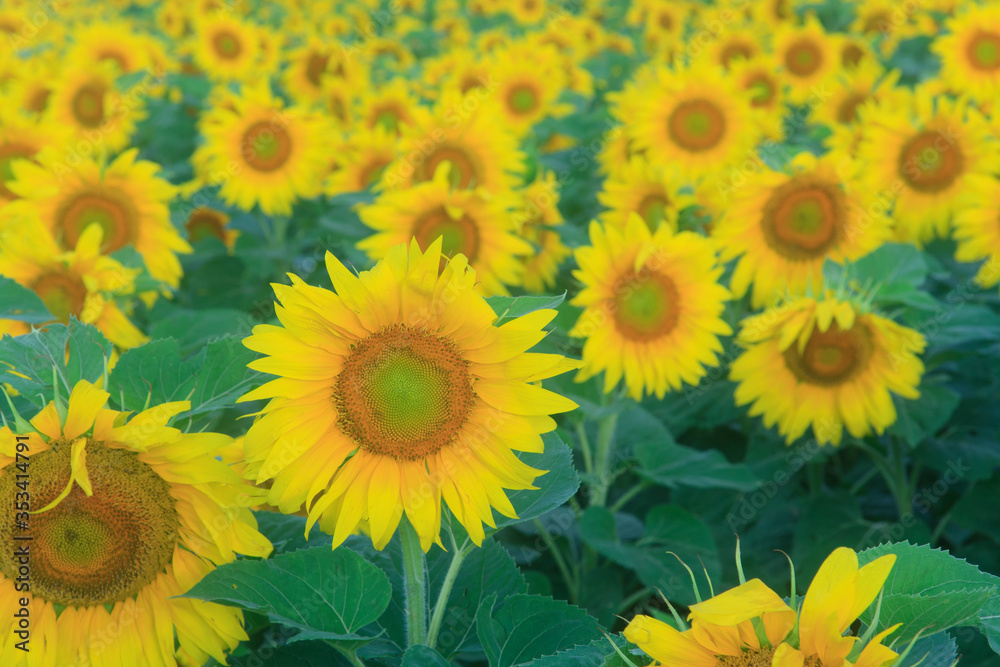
[(27, 362), (923, 417), (555, 487), (989, 622), (212, 379), (20, 303), (324, 593), (527, 627), (598, 653), (423, 656), (667, 528), (885, 269), (928, 589), (299, 654), (287, 532), (937, 650)]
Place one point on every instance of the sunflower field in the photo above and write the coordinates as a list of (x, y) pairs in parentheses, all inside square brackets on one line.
[(584, 333)]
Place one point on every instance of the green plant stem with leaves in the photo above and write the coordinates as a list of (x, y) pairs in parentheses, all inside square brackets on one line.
[(414, 584), (458, 556)]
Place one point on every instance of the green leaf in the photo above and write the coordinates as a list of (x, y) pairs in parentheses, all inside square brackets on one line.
[(554, 487), (989, 622), (212, 379), (511, 307), (928, 589), (669, 464), (598, 653), (527, 627), (891, 264), (299, 654), (22, 304), (26, 362), (923, 417), (193, 329), (937, 650), (287, 532), (667, 528), (327, 594), (423, 656)]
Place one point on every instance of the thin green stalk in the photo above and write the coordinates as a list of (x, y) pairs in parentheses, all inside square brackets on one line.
[(638, 488), (349, 654), (414, 584), (550, 542), (588, 459), (602, 459), (450, 576)]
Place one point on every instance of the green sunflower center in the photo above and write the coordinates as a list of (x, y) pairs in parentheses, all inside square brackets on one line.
[(98, 549), (107, 207), (404, 393), (458, 235), (205, 223), (88, 105), (227, 45), (522, 99), (653, 209), (801, 218), (984, 51), (831, 357), (267, 146), (63, 293), (803, 58), (762, 89), (387, 119), (464, 172), (646, 305), (697, 125), (931, 162)]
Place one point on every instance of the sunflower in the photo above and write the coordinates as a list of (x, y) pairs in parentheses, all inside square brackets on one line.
[(86, 101), (854, 51), (970, 53), (751, 625), (204, 222), (784, 226), (808, 56), (762, 81), (696, 118), (736, 43), (226, 47), (81, 282), (976, 230), (412, 394), (279, 153), (654, 192), (867, 83), (22, 139), (662, 25), (126, 198), (660, 292), (921, 150), (472, 222), (116, 42), (307, 67), (826, 363), (365, 154), (537, 219), (527, 12), (464, 134), (340, 101), (393, 107), (529, 80), (128, 515)]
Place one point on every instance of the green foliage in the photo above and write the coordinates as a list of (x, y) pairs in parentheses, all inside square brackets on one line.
[(21, 304), (510, 633)]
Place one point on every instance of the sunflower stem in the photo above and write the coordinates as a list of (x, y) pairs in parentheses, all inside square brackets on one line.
[(351, 656), (557, 556), (602, 459), (414, 584), (449, 582)]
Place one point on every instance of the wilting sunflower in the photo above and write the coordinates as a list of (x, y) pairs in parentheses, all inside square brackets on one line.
[(970, 52), (363, 157), (695, 118), (751, 626), (652, 305), (464, 134), (126, 198), (654, 192), (204, 222), (472, 222), (225, 47), (920, 151), (280, 152), (81, 282), (127, 515), (784, 226), (537, 219), (808, 56), (396, 392), (977, 231), (826, 363), (85, 99)]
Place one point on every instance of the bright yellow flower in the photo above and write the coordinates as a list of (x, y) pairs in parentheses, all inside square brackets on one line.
[(652, 305), (654, 192), (397, 392), (538, 220), (826, 364), (86, 100), (808, 56), (130, 514), (226, 47), (970, 52)]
